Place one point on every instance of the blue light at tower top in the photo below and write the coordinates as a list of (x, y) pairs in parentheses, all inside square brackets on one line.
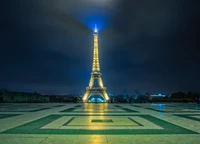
[(95, 29), (95, 17)]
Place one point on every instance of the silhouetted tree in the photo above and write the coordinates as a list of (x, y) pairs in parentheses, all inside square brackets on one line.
[(178, 95)]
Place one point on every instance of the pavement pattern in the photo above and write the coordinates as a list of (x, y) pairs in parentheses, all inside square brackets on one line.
[(99, 123)]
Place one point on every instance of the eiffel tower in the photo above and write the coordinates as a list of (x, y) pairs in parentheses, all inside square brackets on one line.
[(95, 75)]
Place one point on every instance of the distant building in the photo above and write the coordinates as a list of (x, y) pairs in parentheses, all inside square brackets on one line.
[(158, 95), (111, 94), (64, 98), (112, 97), (14, 97)]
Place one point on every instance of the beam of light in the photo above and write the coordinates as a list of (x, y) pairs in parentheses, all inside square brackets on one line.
[(86, 12), (99, 19)]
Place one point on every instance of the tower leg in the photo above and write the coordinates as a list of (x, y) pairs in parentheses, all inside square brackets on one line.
[(86, 95), (91, 81), (105, 96), (100, 81)]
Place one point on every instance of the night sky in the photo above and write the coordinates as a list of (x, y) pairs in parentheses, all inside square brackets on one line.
[(150, 45)]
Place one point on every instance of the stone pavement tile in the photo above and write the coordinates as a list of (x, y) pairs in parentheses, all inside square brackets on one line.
[(88, 142), (78, 142), (91, 139), (68, 137), (23, 136), (137, 139), (139, 142), (75, 139), (2, 116), (57, 140), (21, 140), (183, 139)]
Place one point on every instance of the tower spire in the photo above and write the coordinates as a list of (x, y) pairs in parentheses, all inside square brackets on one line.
[(95, 65)]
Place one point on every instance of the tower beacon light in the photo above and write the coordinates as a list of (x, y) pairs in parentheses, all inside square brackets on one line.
[(95, 29)]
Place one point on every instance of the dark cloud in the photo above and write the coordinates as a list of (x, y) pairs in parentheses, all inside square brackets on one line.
[(148, 45)]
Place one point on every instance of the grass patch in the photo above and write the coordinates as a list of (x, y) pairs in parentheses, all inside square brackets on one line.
[(2, 116)]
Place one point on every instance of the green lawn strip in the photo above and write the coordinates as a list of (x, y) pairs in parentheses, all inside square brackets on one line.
[(128, 110), (102, 121), (2, 116), (68, 110), (78, 106), (98, 111), (34, 128), (155, 110), (192, 107), (182, 111), (118, 106), (171, 106), (131, 111), (136, 106), (36, 110), (171, 111), (188, 116), (96, 114), (58, 105)]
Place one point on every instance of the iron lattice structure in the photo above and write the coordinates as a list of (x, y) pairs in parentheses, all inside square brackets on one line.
[(95, 75)]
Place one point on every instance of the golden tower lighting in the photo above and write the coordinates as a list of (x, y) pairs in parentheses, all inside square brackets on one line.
[(95, 75)]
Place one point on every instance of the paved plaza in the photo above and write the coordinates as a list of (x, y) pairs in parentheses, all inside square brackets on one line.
[(99, 123)]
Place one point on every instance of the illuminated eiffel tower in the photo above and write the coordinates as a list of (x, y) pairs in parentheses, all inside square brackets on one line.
[(95, 75)]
